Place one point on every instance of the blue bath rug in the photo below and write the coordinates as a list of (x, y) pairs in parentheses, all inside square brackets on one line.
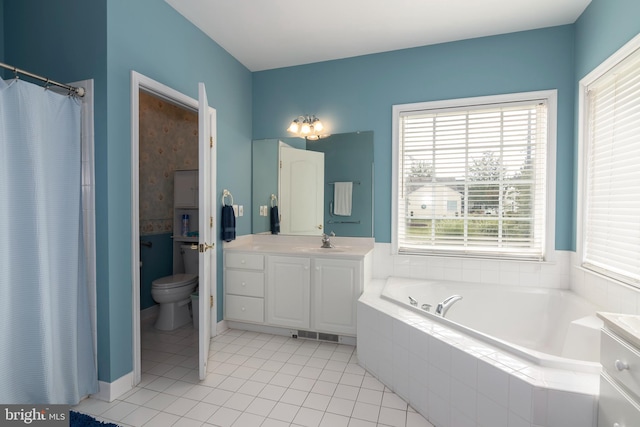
[(76, 419)]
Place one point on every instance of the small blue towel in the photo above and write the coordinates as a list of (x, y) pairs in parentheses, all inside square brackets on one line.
[(275, 220), (228, 223)]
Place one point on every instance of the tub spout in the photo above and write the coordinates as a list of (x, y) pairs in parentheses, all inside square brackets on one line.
[(445, 305), (413, 302)]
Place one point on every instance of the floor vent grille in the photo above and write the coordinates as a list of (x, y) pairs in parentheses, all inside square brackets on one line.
[(328, 337), (308, 334), (315, 336)]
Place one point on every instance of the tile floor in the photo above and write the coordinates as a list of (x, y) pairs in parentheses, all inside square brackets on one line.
[(254, 379)]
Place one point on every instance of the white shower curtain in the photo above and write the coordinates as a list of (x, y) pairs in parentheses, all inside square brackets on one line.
[(46, 348)]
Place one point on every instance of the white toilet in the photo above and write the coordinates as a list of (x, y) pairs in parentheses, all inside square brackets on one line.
[(173, 293)]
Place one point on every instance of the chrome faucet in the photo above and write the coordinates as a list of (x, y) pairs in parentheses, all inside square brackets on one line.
[(326, 240), (445, 305)]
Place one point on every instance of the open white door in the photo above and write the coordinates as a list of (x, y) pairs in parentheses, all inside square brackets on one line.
[(301, 186), (207, 224)]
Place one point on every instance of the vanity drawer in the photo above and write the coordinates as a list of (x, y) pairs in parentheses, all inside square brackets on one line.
[(244, 260), (242, 282), (615, 408), (244, 309), (621, 362)]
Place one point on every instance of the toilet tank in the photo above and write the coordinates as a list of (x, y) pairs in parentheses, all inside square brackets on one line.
[(190, 259)]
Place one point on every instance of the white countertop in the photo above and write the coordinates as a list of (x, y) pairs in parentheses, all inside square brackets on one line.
[(308, 246), (625, 325)]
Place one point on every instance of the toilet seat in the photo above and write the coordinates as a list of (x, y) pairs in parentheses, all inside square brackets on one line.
[(174, 281)]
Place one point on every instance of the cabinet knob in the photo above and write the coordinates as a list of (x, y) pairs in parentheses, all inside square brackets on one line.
[(243, 262), (620, 365), (244, 284), (244, 309), (617, 425)]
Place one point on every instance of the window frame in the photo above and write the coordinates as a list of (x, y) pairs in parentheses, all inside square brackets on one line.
[(551, 97), (583, 152)]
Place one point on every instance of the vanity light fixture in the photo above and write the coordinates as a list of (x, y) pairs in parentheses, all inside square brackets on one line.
[(308, 127)]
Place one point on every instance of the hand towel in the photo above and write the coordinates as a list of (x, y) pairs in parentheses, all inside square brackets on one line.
[(342, 193), (228, 223), (275, 220)]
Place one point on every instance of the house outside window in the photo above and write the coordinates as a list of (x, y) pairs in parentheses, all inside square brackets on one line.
[(609, 176), (472, 176)]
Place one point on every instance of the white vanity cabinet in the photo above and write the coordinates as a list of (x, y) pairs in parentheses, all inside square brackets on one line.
[(244, 287), (300, 289), (619, 402), (337, 285), (288, 291)]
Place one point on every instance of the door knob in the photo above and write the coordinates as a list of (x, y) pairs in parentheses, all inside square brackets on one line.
[(204, 246)]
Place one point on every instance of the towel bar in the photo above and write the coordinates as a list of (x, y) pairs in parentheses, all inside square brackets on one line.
[(227, 193), (354, 183)]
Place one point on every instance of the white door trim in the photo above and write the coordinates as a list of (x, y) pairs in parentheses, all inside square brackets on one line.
[(142, 82)]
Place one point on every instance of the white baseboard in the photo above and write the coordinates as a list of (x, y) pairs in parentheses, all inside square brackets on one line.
[(221, 326), (111, 391)]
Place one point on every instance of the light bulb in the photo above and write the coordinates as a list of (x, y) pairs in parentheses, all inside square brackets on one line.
[(293, 127), (317, 125), (305, 128)]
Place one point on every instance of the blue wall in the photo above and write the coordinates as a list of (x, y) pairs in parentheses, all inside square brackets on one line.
[(2, 36), (77, 29), (150, 37), (604, 27), (358, 94), (74, 39), (157, 262)]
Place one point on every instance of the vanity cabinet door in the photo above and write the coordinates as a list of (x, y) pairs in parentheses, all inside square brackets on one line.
[(337, 285), (288, 291)]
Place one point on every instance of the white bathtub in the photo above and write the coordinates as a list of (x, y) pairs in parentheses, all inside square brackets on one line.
[(502, 357), (549, 327)]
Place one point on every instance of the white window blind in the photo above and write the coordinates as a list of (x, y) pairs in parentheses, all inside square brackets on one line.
[(471, 180), (612, 208)]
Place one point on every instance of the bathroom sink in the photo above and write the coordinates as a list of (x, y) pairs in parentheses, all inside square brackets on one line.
[(320, 250)]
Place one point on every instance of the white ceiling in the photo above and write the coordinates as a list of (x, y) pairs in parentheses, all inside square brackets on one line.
[(266, 34)]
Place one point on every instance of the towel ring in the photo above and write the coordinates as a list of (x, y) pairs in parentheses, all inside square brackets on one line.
[(227, 193), (274, 198)]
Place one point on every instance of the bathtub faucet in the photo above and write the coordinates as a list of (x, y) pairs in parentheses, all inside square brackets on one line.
[(445, 305)]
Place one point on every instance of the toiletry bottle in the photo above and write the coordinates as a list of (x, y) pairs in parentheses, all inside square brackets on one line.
[(185, 224)]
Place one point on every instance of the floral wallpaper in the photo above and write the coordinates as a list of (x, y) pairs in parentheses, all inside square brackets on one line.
[(168, 142)]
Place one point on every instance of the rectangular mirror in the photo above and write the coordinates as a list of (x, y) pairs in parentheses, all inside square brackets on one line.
[(348, 176)]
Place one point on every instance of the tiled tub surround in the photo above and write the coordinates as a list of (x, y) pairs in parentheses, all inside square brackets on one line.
[(455, 380), (564, 272)]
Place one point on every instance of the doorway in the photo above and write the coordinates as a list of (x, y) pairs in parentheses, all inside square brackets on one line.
[(197, 153)]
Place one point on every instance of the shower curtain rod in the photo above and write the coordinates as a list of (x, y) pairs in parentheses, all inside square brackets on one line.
[(79, 91)]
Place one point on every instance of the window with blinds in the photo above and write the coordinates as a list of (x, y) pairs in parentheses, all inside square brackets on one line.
[(471, 179), (611, 206)]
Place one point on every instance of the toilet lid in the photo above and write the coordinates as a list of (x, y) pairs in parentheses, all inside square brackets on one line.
[(174, 281)]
